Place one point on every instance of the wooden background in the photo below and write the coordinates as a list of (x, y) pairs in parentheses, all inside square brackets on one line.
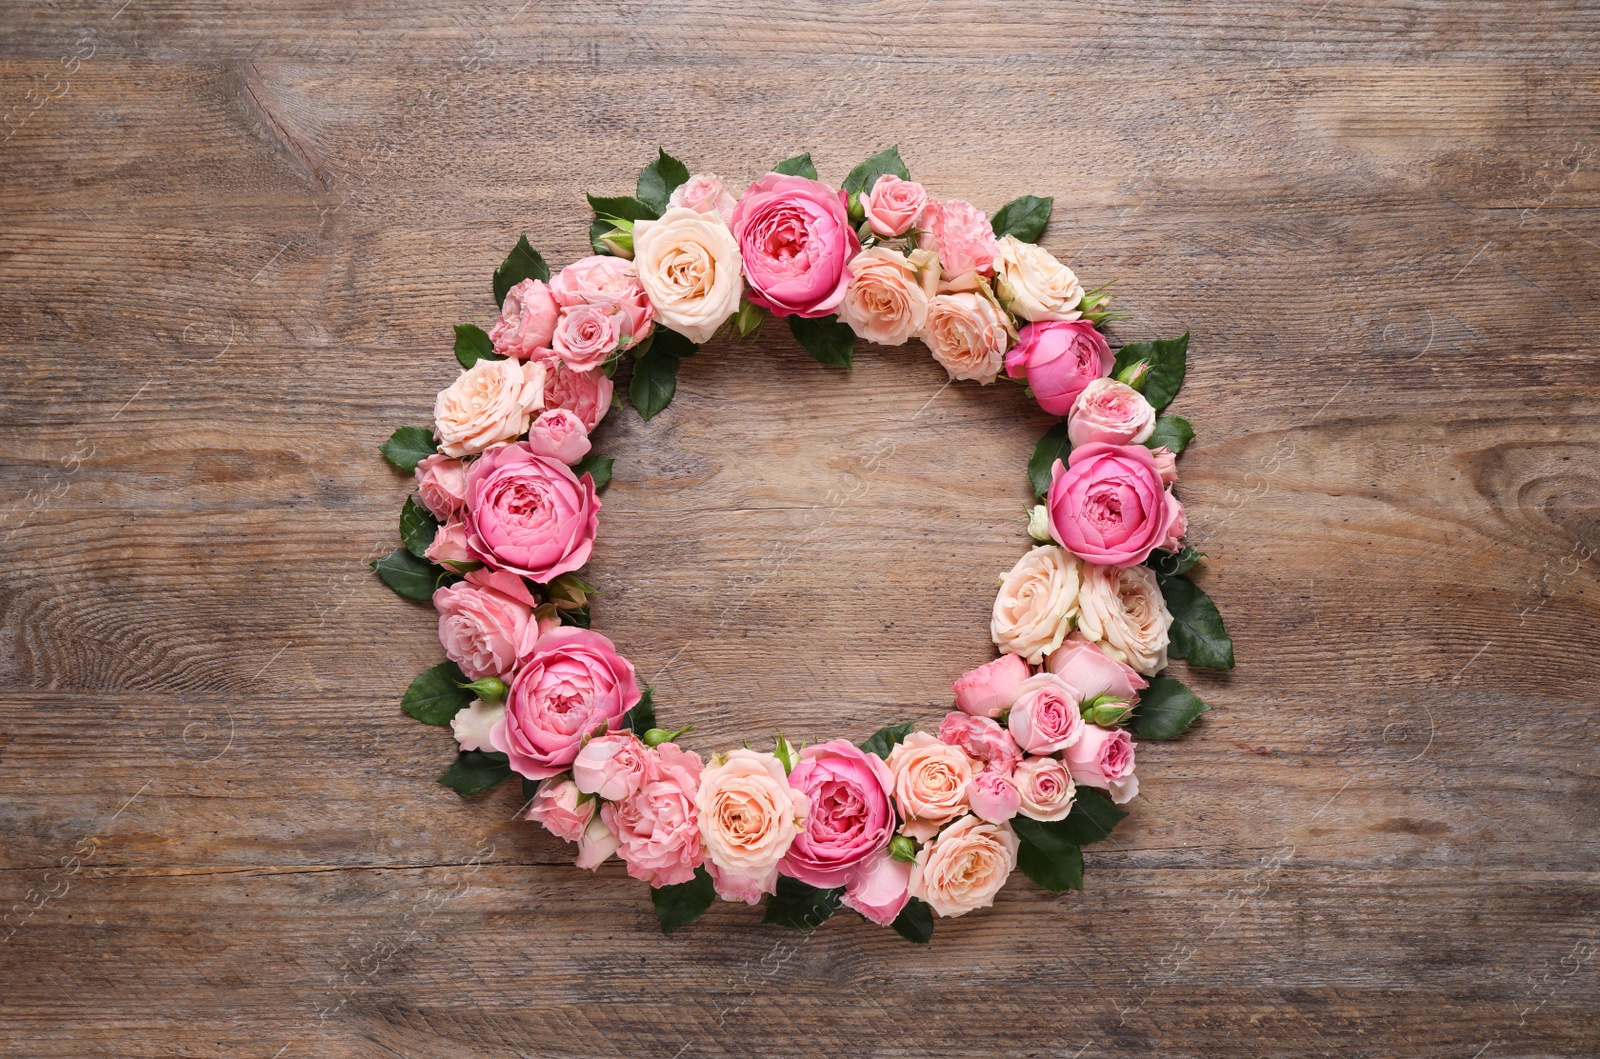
[(234, 238)]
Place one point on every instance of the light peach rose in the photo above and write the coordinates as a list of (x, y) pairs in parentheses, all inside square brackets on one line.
[(1113, 413), (968, 334), (689, 265), (1038, 600), (1122, 610), (965, 866), (885, 302), (930, 783), (1047, 789), (893, 206), (1033, 284), (704, 193), (749, 815), (490, 402)]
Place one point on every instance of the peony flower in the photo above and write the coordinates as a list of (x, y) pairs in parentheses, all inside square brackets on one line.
[(559, 434), (967, 334), (1045, 788), (1107, 504), (893, 206), (885, 301), (586, 394), (561, 808), (993, 797), (657, 837), (1090, 671), (611, 766), (527, 320), (485, 630), (796, 242), (880, 890), (689, 266), (607, 282), (849, 817), (749, 816), (960, 234), (587, 335), (990, 689), (704, 193), (529, 514), (983, 740), (1059, 358), (471, 725), (1111, 413), (442, 486), (1123, 611), (1032, 284), (1104, 758), (1037, 601), (930, 783), (490, 402), (1046, 718), (572, 684), (964, 867)]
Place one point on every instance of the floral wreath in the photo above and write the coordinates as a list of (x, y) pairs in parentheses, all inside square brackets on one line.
[(1039, 753)]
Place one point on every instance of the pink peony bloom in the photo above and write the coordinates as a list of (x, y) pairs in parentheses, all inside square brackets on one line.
[(879, 890), (1104, 758), (587, 335), (657, 836), (990, 689), (1046, 718), (610, 282), (1107, 504), (994, 797), (796, 241), (442, 486), (960, 234), (611, 766), (560, 435), (893, 206), (483, 631), (983, 740), (849, 817), (1059, 358), (572, 685), (561, 808), (529, 514), (527, 319)]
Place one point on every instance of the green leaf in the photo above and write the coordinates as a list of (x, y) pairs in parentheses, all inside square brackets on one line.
[(660, 179), (665, 340), (655, 380), (685, 902), (1165, 709), (417, 527), (408, 447), (1047, 856), (1092, 818), (473, 345), (623, 207), (799, 165), (436, 696), (408, 575), (1168, 359), (1172, 431), (884, 739), (863, 176), (1052, 447), (1171, 564), (915, 922), (476, 770), (522, 263), (1023, 217), (825, 338), (1197, 632), (797, 906), (595, 466), (642, 717)]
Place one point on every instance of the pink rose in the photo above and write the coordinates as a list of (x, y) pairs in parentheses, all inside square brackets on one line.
[(442, 485), (595, 845), (527, 319), (1111, 413), (849, 817), (1104, 758), (561, 808), (1044, 787), (893, 206), (608, 282), (1166, 464), (983, 740), (586, 394), (879, 890), (587, 335), (967, 333), (611, 766), (529, 514), (483, 631), (960, 234), (991, 688), (1177, 527), (795, 237), (1092, 673), (560, 435), (749, 816), (965, 866), (1059, 358), (656, 832), (1107, 504), (930, 783), (572, 685), (993, 797), (704, 193), (1046, 718), (449, 546)]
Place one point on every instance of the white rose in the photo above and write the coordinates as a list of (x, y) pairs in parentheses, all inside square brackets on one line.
[(490, 402), (688, 264), (885, 302), (1038, 599), (1121, 609), (1033, 284)]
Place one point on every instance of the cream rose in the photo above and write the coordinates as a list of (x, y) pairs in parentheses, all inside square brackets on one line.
[(886, 302), (1121, 609), (968, 334), (930, 783), (1046, 788), (749, 815), (964, 867), (1033, 284), (1038, 600), (492, 401), (688, 264)]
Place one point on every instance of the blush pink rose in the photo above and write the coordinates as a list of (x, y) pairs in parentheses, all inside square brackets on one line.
[(880, 890), (983, 740), (1046, 718), (1104, 758), (595, 845), (704, 193), (611, 766), (965, 866), (967, 334), (657, 837), (1111, 413), (1091, 672), (586, 394), (560, 435), (1107, 504), (561, 808), (1045, 788), (1178, 527), (442, 485), (1059, 358), (484, 631), (587, 335), (990, 689), (893, 206), (572, 685), (1166, 465), (527, 320), (449, 546), (529, 514), (960, 234), (796, 241), (608, 282), (930, 783), (749, 816), (849, 816), (993, 797)]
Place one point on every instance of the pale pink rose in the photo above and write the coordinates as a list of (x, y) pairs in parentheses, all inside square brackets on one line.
[(442, 486), (893, 206), (586, 394), (572, 685), (930, 783), (967, 334), (964, 867), (1036, 603), (849, 816), (1059, 358), (689, 266), (959, 232), (587, 335), (610, 282), (1123, 611), (559, 434), (749, 816), (481, 629), (1045, 788), (1104, 758), (1092, 673), (561, 808), (1107, 504), (611, 766), (880, 890), (527, 320), (1046, 718), (449, 546), (704, 193), (990, 689), (490, 402), (1111, 413), (595, 845), (885, 301), (983, 740), (656, 831), (471, 726), (796, 243), (993, 797), (1178, 527), (529, 514), (1166, 465)]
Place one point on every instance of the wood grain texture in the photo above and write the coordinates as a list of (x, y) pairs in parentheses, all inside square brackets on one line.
[(234, 238)]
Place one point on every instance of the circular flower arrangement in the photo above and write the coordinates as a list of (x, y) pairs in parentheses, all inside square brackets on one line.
[(1040, 750)]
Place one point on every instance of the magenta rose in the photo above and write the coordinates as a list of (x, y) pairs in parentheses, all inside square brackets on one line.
[(1104, 758), (442, 485), (571, 685), (879, 890), (1059, 358), (990, 689), (657, 835), (483, 630), (993, 797), (586, 394), (560, 435), (795, 238), (982, 739), (529, 514), (850, 816), (612, 282), (527, 320), (1107, 505)]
